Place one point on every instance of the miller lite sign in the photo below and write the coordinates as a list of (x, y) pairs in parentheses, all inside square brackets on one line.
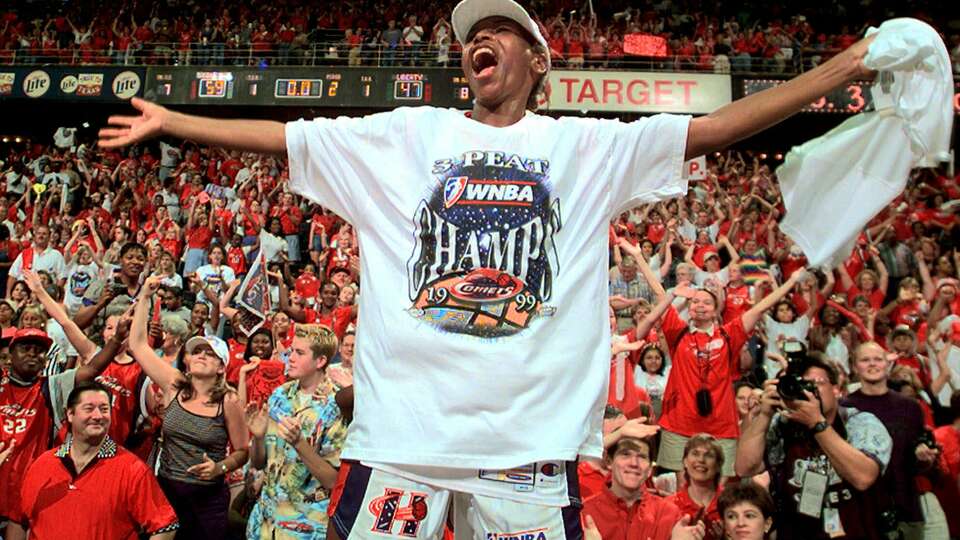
[(126, 85), (36, 84)]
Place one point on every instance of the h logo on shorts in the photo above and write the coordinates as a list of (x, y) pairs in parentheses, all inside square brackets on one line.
[(386, 510)]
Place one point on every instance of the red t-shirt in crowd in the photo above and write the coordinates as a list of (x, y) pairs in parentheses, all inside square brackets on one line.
[(236, 350), (116, 496), (171, 246), (737, 303), (199, 238), (290, 219), (650, 518), (591, 478), (337, 320), (702, 361), (688, 507), (907, 313), (915, 363), (947, 489), (875, 296), (237, 260)]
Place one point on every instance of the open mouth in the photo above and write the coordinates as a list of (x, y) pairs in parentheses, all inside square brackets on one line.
[(483, 61)]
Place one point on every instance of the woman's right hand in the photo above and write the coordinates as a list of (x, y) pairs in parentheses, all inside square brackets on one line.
[(126, 130)]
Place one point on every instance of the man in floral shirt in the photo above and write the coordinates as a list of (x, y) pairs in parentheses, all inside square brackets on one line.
[(297, 438)]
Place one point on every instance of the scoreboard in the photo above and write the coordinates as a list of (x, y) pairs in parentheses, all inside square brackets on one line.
[(314, 87)]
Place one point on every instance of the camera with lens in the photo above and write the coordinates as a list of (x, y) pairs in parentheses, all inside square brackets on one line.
[(792, 385)]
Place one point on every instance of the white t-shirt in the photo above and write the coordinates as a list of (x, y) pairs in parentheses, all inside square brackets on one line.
[(775, 330), (720, 277), (16, 183), (169, 155), (79, 277), (64, 137), (516, 218), (216, 277)]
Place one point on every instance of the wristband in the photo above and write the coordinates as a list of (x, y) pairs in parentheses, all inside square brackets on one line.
[(819, 427), (223, 468)]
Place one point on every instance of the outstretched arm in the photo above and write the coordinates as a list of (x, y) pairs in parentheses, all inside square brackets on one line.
[(163, 373), (85, 348), (263, 136), (752, 114)]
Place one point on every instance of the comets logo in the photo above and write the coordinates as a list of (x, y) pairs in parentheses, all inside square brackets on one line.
[(487, 285)]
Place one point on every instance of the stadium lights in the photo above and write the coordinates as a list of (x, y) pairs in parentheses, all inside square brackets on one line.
[(6, 139), (17, 139)]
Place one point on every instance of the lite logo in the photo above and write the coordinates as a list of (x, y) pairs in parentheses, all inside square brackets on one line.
[(387, 512), (464, 190), (126, 85), (532, 534), (36, 84)]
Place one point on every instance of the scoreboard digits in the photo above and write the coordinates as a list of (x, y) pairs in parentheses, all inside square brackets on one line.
[(299, 88)]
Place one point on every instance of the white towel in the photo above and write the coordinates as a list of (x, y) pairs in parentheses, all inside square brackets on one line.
[(834, 184)]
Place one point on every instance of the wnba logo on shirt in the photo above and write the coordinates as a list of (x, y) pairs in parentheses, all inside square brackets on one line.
[(462, 190), (532, 534), (387, 512)]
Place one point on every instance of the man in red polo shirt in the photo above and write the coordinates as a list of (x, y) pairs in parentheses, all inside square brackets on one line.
[(89, 487), (706, 360), (625, 510)]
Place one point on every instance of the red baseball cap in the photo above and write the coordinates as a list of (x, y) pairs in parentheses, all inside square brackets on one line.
[(24, 335)]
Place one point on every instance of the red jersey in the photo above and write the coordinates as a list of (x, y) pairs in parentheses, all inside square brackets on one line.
[(907, 313), (702, 361), (737, 303), (116, 496), (26, 417), (338, 320), (237, 351), (650, 518), (237, 260)]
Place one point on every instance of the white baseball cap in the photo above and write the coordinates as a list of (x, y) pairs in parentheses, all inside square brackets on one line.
[(218, 345), (469, 12)]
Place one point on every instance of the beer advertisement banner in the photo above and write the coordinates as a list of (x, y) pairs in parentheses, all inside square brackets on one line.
[(103, 84)]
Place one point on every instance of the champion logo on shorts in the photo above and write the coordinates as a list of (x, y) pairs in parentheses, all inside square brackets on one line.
[(532, 534)]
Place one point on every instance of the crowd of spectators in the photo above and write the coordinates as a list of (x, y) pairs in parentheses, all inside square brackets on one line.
[(696, 35), (174, 229)]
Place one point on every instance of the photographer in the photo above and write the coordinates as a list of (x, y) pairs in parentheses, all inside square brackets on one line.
[(912, 452), (824, 459)]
